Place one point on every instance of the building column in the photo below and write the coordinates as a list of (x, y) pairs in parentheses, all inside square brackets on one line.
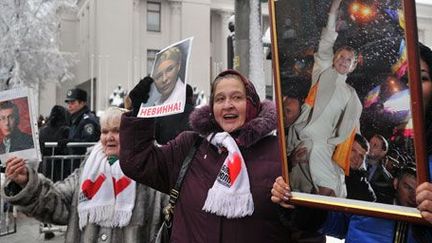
[(225, 16), (176, 27), (242, 45), (134, 66)]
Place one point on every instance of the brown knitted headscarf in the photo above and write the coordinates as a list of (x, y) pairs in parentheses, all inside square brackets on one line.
[(253, 104)]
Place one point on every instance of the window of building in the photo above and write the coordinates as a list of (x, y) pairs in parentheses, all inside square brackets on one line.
[(151, 56), (153, 16)]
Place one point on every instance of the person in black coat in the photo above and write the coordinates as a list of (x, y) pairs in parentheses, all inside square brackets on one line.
[(379, 178), (56, 129), (357, 183)]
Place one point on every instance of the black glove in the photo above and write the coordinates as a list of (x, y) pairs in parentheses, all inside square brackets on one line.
[(140, 94)]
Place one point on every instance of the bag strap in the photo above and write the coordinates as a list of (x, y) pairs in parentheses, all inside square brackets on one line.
[(175, 192)]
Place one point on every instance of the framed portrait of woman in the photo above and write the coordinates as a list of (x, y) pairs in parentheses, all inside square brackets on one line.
[(167, 95), (349, 103)]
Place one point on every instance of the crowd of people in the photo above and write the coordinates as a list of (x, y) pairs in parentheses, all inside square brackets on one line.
[(233, 190)]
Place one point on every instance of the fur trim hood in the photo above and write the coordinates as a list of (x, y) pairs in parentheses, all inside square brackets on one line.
[(203, 122)]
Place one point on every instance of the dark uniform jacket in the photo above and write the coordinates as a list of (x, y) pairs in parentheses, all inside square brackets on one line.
[(358, 186), (19, 141), (382, 184), (84, 128)]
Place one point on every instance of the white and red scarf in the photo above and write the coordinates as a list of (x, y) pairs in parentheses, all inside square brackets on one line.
[(230, 194), (107, 196)]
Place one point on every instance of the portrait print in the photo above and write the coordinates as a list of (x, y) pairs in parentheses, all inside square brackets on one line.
[(346, 119), (17, 129), (167, 93)]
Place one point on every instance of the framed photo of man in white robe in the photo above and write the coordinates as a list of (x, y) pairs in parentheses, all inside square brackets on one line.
[(341, 79)]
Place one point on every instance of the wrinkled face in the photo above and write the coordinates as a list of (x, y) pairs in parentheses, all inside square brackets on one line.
[(7, 121), (357, 156), (291, 108), (426, 83), (110, 138), (376, 148), (74, 106), (229, 104), (344, 61), (166, 77), (405, 189)]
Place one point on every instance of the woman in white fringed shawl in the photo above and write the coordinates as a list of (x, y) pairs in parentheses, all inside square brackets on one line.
[(97, 202)]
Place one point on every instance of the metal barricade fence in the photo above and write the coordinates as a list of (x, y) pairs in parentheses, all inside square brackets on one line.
[(58, 167), (7, 213)]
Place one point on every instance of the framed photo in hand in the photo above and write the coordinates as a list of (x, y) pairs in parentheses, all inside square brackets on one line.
[(349, 102), (18, 126)]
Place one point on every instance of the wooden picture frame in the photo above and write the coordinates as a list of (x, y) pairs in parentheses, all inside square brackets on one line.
[(380, 39)]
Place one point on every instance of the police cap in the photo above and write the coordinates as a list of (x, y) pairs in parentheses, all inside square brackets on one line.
[(76, 94)]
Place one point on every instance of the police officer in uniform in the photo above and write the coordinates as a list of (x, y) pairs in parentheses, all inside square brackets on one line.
[(84, 124)]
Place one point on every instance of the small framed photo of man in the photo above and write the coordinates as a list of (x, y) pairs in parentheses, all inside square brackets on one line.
[(18, 129), (167, 93)]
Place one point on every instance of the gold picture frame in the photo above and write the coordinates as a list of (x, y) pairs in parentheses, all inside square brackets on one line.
[(381, 39)]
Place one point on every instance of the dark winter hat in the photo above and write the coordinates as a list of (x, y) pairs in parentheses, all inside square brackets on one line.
[(76, 94), (58, 115), (253, 104)]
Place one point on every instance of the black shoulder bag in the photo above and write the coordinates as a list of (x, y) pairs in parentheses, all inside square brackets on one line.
[(164, 232)]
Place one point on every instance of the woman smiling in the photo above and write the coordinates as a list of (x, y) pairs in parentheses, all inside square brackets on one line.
[(225, 193)]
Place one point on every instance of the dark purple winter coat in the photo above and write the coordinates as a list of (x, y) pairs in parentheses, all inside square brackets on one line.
[(158, 167)]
